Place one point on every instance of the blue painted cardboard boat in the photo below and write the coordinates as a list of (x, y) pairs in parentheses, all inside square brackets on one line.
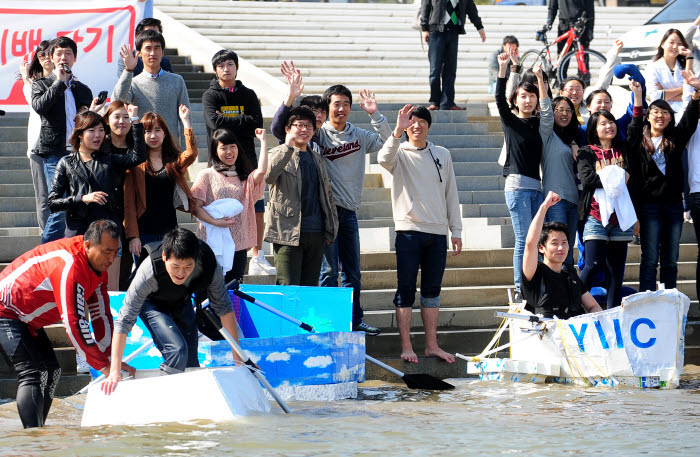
[(322, 366)]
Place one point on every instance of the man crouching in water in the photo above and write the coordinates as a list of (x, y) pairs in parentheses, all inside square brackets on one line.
[(551, 287), (161, 294)]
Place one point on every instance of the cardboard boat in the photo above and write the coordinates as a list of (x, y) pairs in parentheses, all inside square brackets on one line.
[(325, 366), (640, 344), (215, 394)]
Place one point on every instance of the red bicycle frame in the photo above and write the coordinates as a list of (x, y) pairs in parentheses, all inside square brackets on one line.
[(570, 36)]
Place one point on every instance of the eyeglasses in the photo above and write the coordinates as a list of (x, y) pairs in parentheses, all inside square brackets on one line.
[(659, 113), (573, 89), (303, 126), (563, 111)]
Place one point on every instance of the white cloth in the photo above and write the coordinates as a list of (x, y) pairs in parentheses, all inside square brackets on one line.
[(614, 197), (219, 239)]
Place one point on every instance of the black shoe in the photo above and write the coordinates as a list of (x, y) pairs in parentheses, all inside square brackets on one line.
[(368, 329)]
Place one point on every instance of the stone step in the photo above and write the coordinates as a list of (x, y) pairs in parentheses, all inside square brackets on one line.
[(16, 190), (480, 182), (15, 162), (13, 133), (13, 148)]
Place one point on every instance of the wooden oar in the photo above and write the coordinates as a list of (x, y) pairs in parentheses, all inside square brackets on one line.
[(413, 381), (249, 363)]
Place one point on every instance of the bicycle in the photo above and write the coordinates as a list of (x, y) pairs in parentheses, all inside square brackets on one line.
[(558, 70)]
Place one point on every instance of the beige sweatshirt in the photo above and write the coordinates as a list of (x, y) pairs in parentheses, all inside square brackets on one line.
[(420, 201)]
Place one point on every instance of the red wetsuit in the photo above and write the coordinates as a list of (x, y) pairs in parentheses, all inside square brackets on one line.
[(54, 283)]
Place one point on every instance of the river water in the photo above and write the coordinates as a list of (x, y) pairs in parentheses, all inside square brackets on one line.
[(485, 418)]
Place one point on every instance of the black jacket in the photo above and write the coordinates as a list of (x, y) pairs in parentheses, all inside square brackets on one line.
[(570, 11), (654, 186), (71, 183), (240, 113), (49, 103), (432, 15)]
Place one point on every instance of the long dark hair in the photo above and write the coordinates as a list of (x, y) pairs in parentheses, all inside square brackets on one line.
[(169, 152), (592, 129), (83, 121), (568, 133), (666, 144), (113, 106), (35, 70), (660, 51), (242, 165)]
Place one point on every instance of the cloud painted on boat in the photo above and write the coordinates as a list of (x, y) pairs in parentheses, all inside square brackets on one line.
[(278, 357), (321, 361)]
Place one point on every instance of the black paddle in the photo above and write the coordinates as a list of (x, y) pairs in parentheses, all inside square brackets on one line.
[(413, 381)]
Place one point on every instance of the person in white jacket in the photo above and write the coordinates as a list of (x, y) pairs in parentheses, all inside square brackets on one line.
[(425, 206), (663, 76)]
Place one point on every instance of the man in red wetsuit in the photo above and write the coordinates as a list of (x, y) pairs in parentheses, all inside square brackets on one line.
[(61, 281)]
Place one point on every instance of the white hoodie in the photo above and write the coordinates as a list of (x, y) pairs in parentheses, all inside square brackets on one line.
[(424, 191)]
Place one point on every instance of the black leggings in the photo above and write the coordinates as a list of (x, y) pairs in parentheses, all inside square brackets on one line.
[(611, 255), (36, 367), (237, 271)]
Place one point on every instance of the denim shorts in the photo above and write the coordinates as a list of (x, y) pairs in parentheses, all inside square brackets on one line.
[(260, 206), (594, 230)]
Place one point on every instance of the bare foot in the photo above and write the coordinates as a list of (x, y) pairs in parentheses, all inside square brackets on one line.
[(409, 356), (446, 356)]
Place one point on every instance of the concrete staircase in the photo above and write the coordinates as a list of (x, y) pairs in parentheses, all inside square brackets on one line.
[(371, 45)]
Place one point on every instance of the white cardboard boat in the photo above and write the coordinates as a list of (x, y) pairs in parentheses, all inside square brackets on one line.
[(216, 394), (639, 344)]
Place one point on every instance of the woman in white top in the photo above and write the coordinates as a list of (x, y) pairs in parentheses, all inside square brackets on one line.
[(39, 67), (663, 76)]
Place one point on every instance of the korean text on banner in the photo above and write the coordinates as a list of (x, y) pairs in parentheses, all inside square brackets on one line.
[(98, 28)]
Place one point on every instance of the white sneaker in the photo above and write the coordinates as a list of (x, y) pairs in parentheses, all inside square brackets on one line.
[(83, 366), (260, 266)]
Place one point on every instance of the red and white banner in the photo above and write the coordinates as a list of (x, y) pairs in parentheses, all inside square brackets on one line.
[(99, 28)]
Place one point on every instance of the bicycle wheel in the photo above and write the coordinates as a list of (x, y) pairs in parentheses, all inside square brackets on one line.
[(531, 58), (569, 66)]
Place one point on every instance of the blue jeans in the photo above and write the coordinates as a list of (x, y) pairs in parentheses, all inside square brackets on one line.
[(522, 206), (442, 55), (427, 251), (344, 255), (56, 223), (175, 335), (566, 212), (660, 234)]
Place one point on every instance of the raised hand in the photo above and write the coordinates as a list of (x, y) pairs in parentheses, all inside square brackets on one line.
[(685, 51), (296, 86), (129, 57), (537, 71), (503, 60), (552, 199), (287, 69), (514, 55), (24, 70), (94, 106), (368, 103), (184, 113), (403, 120), (618, 46), (690, 78), (636, 88), (133, 110), (261, 134)]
